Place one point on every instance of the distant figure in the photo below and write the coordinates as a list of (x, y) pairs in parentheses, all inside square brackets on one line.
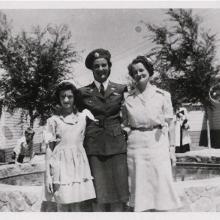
[(24, 146), (182, 137)]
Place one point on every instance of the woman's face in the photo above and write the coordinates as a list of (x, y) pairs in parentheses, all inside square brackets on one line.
[(66, 99), (29, 137), (101, 70), (140, 74)]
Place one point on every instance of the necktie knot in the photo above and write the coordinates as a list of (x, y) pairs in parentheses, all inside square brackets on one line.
[(102, 89)]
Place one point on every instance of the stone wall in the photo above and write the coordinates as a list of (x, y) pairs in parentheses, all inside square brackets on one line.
[(200, 195), (196, 196), (20, 198)]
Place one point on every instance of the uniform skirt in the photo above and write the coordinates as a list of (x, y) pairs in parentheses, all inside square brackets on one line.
[(110, 177)]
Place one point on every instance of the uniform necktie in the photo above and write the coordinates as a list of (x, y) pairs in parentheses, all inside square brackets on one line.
[(102, 90)]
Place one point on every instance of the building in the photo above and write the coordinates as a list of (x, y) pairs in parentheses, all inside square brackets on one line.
[(198, 125), (12, 127)]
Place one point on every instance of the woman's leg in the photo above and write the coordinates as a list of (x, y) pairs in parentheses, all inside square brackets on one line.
[(63, 207), (117, 207), (86, 206), (97, 207), (74, 207), (71, 207)]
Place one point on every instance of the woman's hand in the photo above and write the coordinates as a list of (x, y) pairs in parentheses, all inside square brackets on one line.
[(49, 184), (172, 155)]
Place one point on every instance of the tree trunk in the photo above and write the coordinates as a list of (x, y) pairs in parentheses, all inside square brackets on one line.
[(31, 118), (208, 130)]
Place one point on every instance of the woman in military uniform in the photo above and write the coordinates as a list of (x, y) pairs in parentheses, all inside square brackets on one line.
[(150, 143), (104, 141)]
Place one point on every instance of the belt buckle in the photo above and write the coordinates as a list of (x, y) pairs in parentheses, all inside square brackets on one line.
[(151, 128)]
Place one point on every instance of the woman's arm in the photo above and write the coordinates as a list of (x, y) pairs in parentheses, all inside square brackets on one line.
[(171, 135), (48, 179), (169, 118), (124, 121), (50, 138)]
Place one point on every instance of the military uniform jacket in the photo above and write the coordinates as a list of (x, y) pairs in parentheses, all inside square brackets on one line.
[(104, 136)]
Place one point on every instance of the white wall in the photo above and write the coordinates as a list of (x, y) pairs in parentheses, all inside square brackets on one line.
[(196, 120), (12, 127)]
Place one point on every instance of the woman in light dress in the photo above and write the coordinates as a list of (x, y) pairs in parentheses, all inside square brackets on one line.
[(182, 135), (149, 114), (68, 176)]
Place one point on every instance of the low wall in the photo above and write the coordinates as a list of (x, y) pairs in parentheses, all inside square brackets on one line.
[(196, 196), (20, 198), (199, 195)]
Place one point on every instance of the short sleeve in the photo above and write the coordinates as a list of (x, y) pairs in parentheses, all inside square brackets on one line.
[(124, 115), (87, 113), (168, 107), (50, 130), (17, 148)]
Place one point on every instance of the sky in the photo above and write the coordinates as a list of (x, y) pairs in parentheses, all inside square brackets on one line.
[(112, 29)]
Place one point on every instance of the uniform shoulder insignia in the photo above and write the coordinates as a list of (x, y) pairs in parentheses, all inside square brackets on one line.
[(160, 91), (85, 89), (163, 92), (118, 86)]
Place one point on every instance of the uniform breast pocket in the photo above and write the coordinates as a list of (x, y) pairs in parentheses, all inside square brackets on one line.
[(90, 101), (115, 98)]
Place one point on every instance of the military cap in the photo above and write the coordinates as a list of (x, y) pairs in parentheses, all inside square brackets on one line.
[(96, 54)]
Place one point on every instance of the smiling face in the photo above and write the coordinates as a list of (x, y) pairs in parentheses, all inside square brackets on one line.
[(140, 74), (101, 70), (66, 99)]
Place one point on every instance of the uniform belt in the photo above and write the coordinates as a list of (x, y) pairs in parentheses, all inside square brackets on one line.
[(106, 122), (147, 129)]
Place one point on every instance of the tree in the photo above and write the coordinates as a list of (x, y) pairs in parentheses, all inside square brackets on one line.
[(34, 64), (185, 58)]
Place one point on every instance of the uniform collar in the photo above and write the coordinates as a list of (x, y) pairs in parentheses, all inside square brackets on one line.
[(98, 84)]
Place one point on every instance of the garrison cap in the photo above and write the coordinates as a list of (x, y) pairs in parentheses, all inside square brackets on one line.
[(96, 54)]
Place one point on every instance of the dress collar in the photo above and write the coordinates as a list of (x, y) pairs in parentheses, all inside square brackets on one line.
[(69, 119), (149, 90)]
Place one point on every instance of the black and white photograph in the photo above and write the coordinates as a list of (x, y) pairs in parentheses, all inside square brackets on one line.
[(109, 109)]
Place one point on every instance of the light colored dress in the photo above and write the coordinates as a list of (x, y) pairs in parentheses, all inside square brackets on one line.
[(150, 175), (185, 131), (69, 165)]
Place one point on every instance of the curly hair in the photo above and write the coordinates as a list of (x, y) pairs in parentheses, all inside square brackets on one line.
[(66, 86), (141, 59)]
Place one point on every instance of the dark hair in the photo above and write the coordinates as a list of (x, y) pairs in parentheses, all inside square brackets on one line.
[(66, 86), (29, 130), (141, 59)]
